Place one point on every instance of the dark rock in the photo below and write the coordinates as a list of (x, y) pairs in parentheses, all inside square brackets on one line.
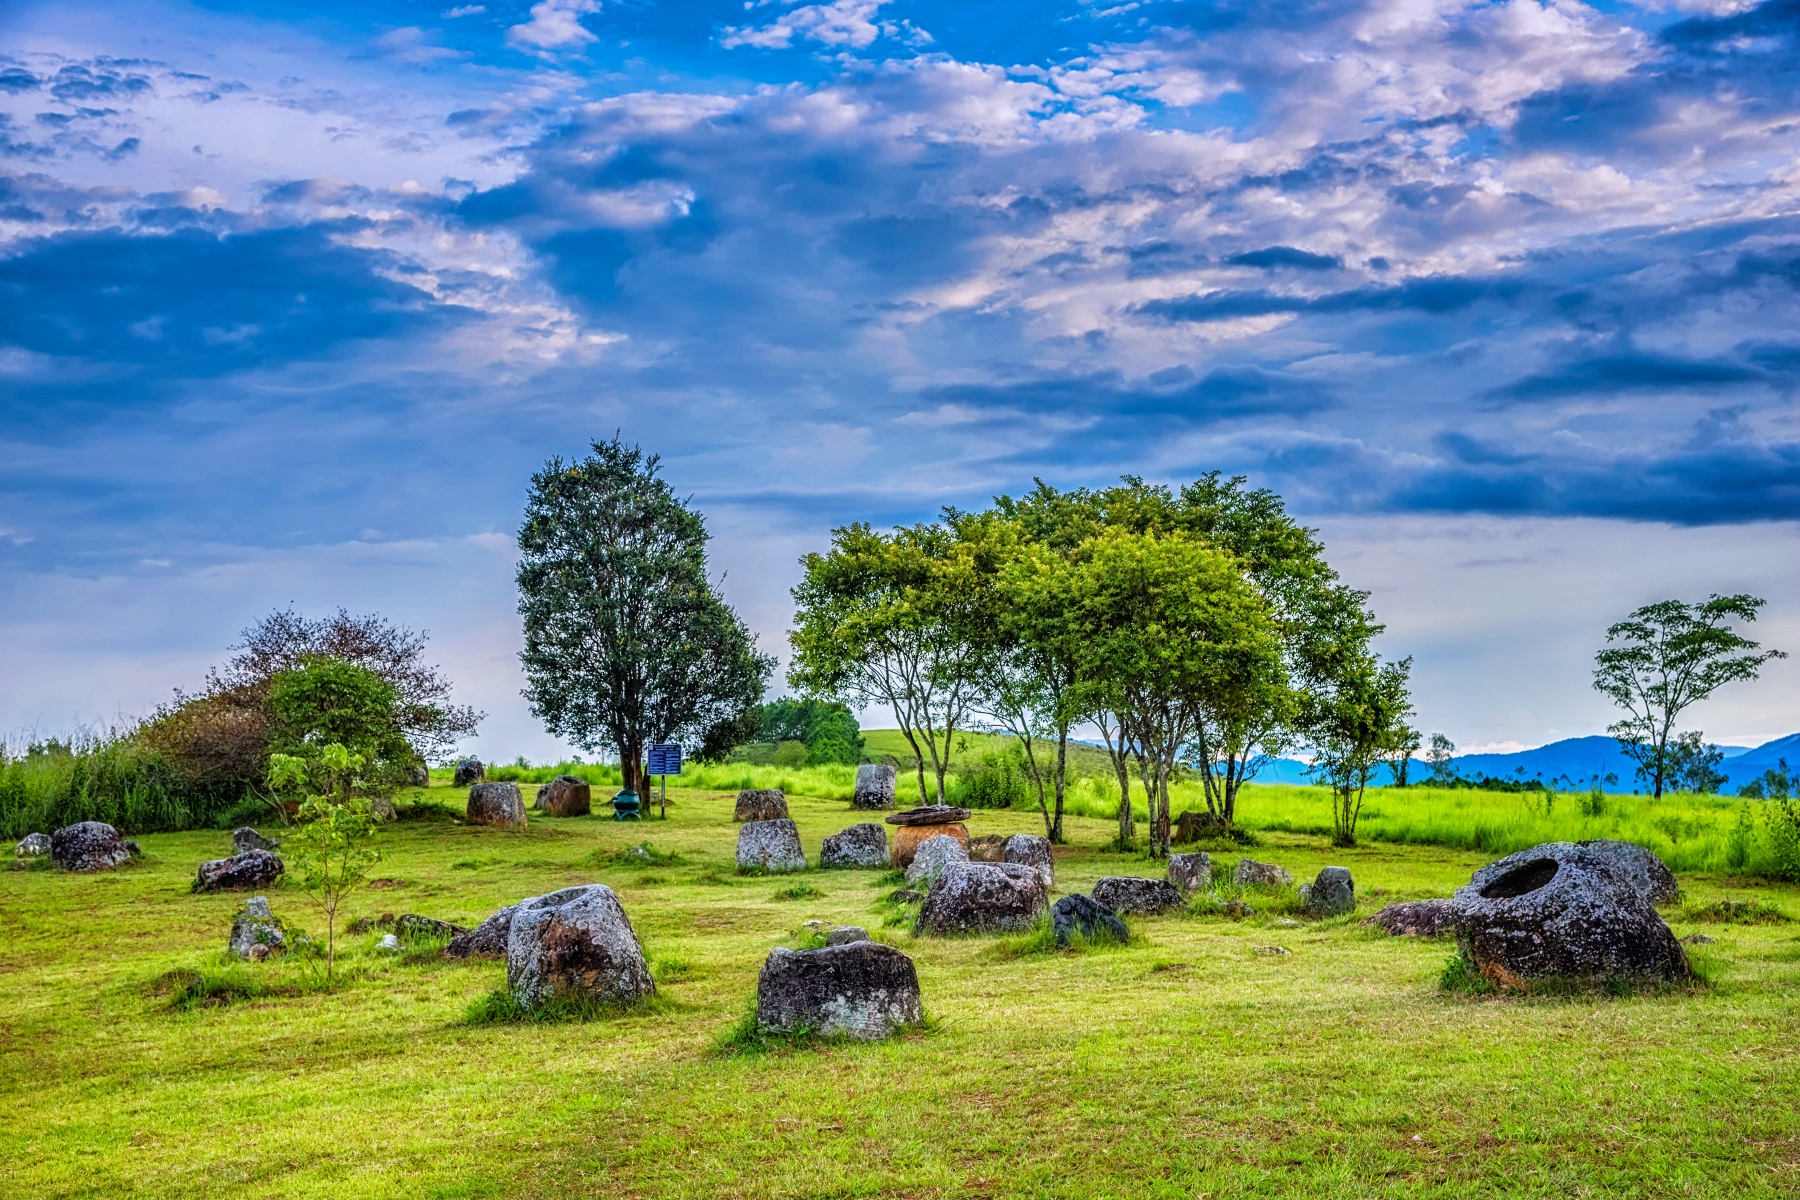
[(1697, 939), (468, 771), (1416, 918), (1275, 951), (486, 940), (991, 848), (908, 838), (1193, 825), (982, 898), (1087, 918), (761, 804), (1030, 850), (88, 846), (1131, 894), (843, 935), (576, 942), (496, 804), (1251, 873), (932, 857), (381, 808), (419, 775), (864, 845), (132, 848), (862, 990), (1237, 910), (566, 796), (874, 786), (1647, 872), (772, 846), (240, 872), (1190, 872), (32, 845), (1331, 894), (246, 839), (1567, 914), (929, 814), (905, 896), (255, 926), (409, 925)]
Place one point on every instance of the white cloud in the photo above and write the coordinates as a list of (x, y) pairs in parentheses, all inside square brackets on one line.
[(555, 25), (839, 23)]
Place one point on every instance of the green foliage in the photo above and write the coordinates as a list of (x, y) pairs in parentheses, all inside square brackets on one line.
[(799, 891), (824, 732), (1737, 912), (329, 853), (1782, 826), (995, 780), (627, 643), (114, 776), (1358, 720), (1460, 975), (1665, 657), (327, 701), (1693, 765)]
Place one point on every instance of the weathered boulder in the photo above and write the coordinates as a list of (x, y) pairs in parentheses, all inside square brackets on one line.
[(1030, 850), (989, 848), (496, 804), (1647, 872), (245, 839), (253, 926), (381, 808), (864, 845), (576, 942), (1086, 918), (772, 846), (88, 846), (874, 786), (1131, 894), (419, 775), (1190, 872), (982, 898), (486, 940), (411, 925), (1567, 914), (1251, 873), (240, 872), (32, 845), (908, 838), (929, 814), (1195, 824), (843, 935), (933, 855), (761, 804), (1331, 894), (566, 796), (1416, 918), (905, 896), (862, 990), (468, 771)]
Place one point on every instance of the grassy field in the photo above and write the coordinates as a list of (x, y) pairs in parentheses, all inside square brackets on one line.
[(1185, 1064)]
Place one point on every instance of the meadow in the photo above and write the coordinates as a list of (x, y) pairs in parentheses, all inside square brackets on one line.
[(1186, 1063)]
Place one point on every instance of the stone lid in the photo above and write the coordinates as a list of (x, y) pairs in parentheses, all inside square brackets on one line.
[(930, 814)]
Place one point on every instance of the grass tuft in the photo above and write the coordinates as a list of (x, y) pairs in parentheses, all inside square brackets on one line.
[(799, 891), (1041, 939), (1737, 912), (501, 1007)]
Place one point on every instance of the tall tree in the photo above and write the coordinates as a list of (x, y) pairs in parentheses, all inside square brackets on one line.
[(627, 642), (1439, 756), (902, 620), (1359, 721), (1665, 657), (1171, 630)]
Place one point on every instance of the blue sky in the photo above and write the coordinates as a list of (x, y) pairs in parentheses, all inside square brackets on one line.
[(293, 297)]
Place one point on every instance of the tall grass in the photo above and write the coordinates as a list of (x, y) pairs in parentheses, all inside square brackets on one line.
[(99, 775)]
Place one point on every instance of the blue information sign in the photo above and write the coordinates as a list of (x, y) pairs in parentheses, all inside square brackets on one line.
[(664, 760)]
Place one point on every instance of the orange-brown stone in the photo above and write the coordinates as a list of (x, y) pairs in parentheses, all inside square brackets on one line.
[(908, 838)]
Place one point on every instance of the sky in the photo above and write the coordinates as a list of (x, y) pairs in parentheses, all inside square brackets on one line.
[(1501, 297)]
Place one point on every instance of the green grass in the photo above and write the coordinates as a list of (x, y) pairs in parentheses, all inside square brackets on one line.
[(1182, 1063)]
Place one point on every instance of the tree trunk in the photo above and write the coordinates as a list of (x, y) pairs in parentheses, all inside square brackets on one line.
[(1062, 779)]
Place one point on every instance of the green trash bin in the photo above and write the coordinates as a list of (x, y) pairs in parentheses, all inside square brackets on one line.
[(627, 806)]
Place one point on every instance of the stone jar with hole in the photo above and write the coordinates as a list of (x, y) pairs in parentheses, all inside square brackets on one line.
[(1567, 915), (576, 944), (496, 804)]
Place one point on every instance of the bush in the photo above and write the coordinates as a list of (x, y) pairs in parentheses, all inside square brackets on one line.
[(995, 780), (114, 777)]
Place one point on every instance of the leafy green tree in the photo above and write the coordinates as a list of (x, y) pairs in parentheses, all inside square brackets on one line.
[(330, 850), (828, 731), (1665, 657), (1360, 721), (901, 620), (1694, 765), (1171, 631), (627, 643), (1439, 756), (326, 700)]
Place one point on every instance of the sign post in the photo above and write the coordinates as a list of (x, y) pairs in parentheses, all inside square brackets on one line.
[(665, 760)]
